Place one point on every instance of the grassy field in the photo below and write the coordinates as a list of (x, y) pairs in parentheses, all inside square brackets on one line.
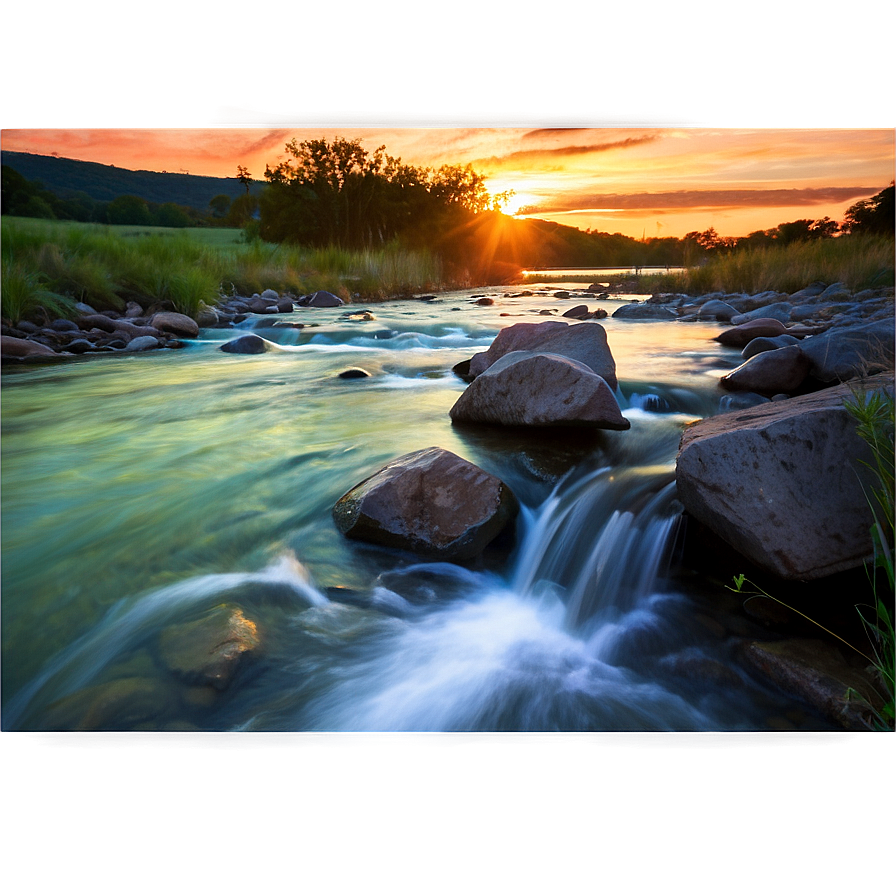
[(859, 261), (49, 265)]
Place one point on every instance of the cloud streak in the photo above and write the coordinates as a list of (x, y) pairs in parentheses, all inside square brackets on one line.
[(703, 199), (528, 157)]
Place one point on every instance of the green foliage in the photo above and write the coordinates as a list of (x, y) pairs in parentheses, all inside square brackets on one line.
[(24, 296)]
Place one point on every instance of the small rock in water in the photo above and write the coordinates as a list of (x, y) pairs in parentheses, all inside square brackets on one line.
[(485, 300), (250, 344), (142, 343), (209, 650), (353, 373)]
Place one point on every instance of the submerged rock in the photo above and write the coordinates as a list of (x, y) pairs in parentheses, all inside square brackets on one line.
[(208, 651), (539, 389), (354, 373), (815, 672), (782, 483), (431, 502)]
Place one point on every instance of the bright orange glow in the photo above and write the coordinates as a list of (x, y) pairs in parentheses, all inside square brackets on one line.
[(636, 181)]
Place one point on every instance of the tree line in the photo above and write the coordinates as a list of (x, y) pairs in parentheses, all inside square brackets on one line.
[(340, 194)]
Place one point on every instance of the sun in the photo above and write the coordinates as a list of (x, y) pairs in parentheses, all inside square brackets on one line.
[(520, 198)]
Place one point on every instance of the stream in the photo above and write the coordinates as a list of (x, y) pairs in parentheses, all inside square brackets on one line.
[(140, 491)]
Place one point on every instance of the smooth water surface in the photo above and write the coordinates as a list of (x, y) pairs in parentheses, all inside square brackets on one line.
[(138, 491)]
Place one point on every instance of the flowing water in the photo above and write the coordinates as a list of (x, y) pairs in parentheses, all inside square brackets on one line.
[(140, 491)]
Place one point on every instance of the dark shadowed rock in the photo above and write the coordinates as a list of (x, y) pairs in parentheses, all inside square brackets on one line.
[(577, 311), (116, 705), (172, 322), (782, 483), (539, 389), (739, 336), (815, 672), (644, 311), (354, 373), (431, 502), (99, 321), (776, 311), (209, 650), (250, 344), (781, 370)]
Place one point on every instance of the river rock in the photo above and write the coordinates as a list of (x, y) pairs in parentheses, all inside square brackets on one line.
[(324, 299), (767, 344), (64, 326), (431, 502), (271, 294), (840, 354), (716, 310), (207, 317), (815, 672), (13, 347), (172, 322), (142, 344), (209, 650), (354, 373), (782, 483), (577, 311), (539, 389), (99, 321), (80, 346), (778, 311), (133, 310), (644, 311), (285, 305), (781, 370), (250, 344), (584, 342), (739, 336)]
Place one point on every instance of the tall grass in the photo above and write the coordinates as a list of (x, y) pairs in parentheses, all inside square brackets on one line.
[(105, 267), (858, 261)]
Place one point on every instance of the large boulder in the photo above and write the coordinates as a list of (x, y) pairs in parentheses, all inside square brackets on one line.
[(781, 370), (840, 354), (209, 650), (767, 344), (539, 389), (172, 322), (431, 502), (784, 483), (584, 342)]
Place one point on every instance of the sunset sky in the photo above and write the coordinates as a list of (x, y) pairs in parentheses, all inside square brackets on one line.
[(638, 181), (655, 119)]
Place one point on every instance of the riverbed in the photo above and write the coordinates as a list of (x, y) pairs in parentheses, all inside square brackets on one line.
[(140, 490)]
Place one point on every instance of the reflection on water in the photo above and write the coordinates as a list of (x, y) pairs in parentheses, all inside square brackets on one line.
[(139, 491)]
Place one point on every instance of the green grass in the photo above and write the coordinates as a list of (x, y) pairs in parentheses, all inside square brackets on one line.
[(107, 266), (860, 262)]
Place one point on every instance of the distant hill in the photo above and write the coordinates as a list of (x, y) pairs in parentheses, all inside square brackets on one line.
[(66, 177)]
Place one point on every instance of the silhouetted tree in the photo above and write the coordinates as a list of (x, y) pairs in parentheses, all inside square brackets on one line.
[(875, 215)]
